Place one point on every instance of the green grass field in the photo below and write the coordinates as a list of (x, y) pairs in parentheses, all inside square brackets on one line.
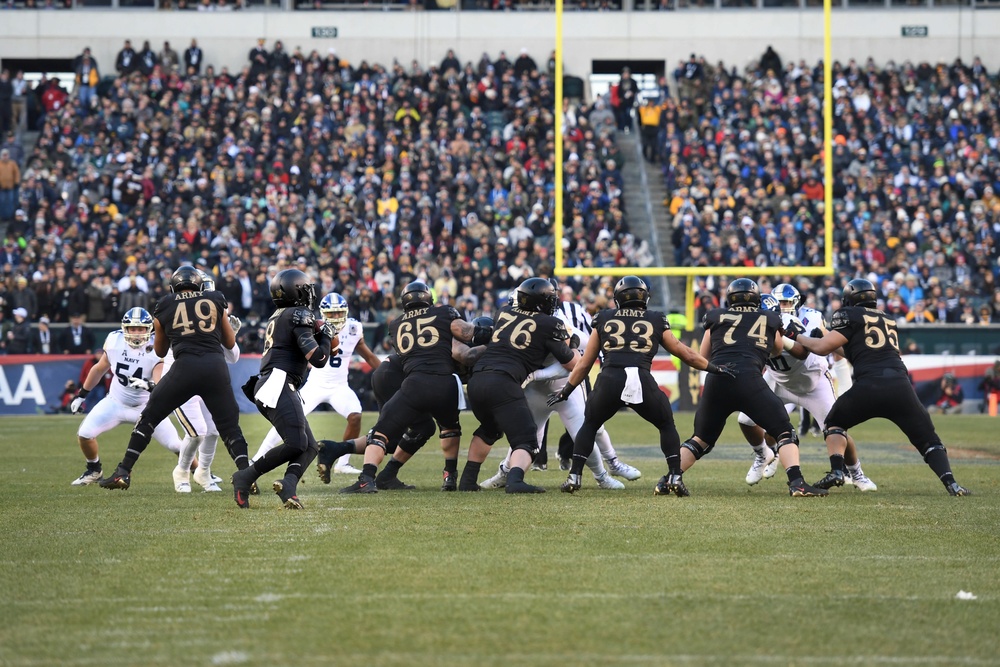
[(732, 575)]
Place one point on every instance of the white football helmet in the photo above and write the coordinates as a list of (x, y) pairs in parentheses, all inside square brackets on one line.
[(137, 326)]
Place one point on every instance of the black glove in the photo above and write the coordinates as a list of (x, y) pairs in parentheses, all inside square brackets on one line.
[(816, 333), (574, 342), (724, 369), (793, 330), (481, 335), (561, 395)]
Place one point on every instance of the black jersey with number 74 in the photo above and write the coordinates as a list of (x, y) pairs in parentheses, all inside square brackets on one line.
[(743, 338), (192, 321)]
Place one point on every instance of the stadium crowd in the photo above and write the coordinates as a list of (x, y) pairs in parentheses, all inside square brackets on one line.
[(916, 157), (366, 175)]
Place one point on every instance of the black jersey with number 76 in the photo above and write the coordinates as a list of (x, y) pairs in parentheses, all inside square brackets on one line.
[(192, 321), (743, 338), (521, 342)]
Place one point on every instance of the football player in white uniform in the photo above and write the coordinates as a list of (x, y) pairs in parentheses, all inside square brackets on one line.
[(201, 435), (552, 378), (329, 383), (799, 381), (129, 352)]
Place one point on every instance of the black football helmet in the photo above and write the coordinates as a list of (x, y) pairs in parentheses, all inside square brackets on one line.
[(631, 292), (186, 279), (484, 321), (291, 287), (416, 295), (860, 292), (743, 292), (537, 295)]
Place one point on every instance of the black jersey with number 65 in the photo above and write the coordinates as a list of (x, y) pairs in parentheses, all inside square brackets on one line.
[(630, 336), (872, 344), (192, 321), (743, 338), (422, 338), (521, 341)]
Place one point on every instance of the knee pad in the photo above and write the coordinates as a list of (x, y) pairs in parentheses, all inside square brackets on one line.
[(930, 447), (377, 439), (455, 432), (786, 439), (489, 437), (415, 438), (696, 449), (835, 430)]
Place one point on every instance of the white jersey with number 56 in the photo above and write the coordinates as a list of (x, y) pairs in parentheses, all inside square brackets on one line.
[(129, 362), (334, 373)]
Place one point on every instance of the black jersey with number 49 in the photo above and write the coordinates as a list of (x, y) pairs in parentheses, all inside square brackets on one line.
[(872, 344), (521, 341), (743, 338), (422, 338), (630, 336), (192, 321)]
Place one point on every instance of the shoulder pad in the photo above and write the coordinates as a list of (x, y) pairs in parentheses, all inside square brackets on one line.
[(303, 317), (559, 331), (453, 313), (666, 322), (840, 319)]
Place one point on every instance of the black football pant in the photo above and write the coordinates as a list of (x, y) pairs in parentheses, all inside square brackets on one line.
[(298, 447), (206, 376), (890, 397), (747, 393), (386, 381), (498, 402), (420, 396)]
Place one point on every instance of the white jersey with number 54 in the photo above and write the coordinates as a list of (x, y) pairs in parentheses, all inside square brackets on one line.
[(129, 362)]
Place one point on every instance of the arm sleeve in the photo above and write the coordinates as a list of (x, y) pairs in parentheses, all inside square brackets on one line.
[(233, 355), (560, 350), (551, 372)]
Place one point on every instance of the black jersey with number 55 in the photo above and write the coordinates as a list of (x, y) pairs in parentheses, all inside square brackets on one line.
[(872, 344), (521, 341), (743, 338), (192, 321), (630, 336), (422, 338)]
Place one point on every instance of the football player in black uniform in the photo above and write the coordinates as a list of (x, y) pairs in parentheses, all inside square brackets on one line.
[(423, 338), (525, 334), (294, 340), (629, 337), (743, 337), (196, 326), (868, 338)]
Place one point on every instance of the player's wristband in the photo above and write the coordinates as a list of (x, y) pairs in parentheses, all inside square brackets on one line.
[(82, 393), (787, 343), (712, 368)]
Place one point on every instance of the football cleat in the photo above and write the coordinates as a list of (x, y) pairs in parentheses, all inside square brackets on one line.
[(760, 463), (565, 464), (241, 488), (675, 485), (497, 481), (121, 479), (522, 487), (285, 488), (662, 488), (89, 476), (608, 482), (206, 480), (392, 484), (954, 489), (329, 452), (365, 484), (182, 482), (347, 469), (619, 469), (771, 467), (861, 482), (799, 489), (540, 467), (830, 480), (573, 483), (449, 482)]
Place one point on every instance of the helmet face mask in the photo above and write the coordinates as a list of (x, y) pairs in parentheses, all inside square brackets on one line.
[(137, 327), (291, 287), (207, 281), (743, 293), (631, 292), (536, 295), (416, 295), (186, 279), (788, 298), (334, 309)]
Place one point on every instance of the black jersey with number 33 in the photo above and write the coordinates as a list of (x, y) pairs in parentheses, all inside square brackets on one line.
[(743, 338), (521, 341), (192, 321), (422, 337), (630, 336), (872, 344)]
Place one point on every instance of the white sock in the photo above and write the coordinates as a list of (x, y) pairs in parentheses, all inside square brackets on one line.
[(344, 460), (206, 450), (596, 464), (505, 464), (97, 460), (855, 469), (188, 449), (603, 442), (759, 448), (271, 440)]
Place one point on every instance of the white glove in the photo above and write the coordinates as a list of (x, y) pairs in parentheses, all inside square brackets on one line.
[(235, 323), (139, 383), (528, 380), (76, 405)]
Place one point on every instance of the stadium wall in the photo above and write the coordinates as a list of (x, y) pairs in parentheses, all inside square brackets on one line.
[(734, 35)]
